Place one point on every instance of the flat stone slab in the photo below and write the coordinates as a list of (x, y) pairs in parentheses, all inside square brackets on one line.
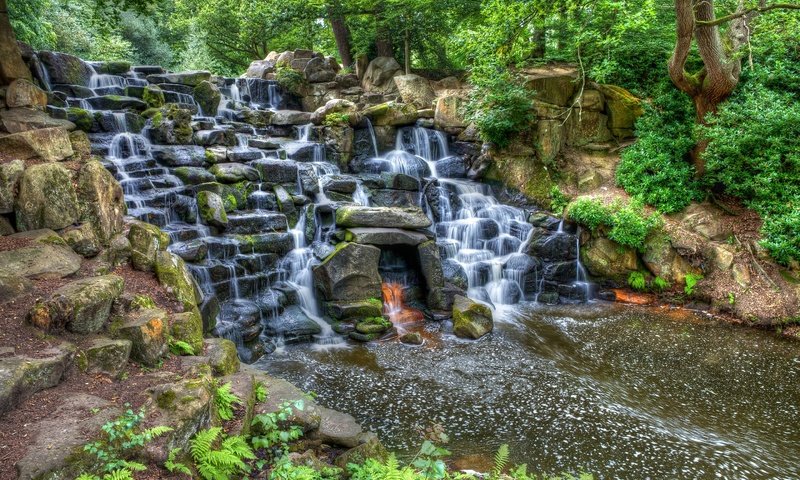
[(385, 236), (40, 261), (357, 216), (21, 377)]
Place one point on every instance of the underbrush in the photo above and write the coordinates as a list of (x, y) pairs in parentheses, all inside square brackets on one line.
[(627, 224)]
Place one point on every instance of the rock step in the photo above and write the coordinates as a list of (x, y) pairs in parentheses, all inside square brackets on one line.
[(22, 376)]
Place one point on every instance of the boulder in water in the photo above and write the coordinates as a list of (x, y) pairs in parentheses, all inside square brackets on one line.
[(194, 175), (65, 68), (171, 125), (384, 236), (345, 108), (208, 138), (293, 325), (291, 117), (452, 167), (455, 274), (234, 172), (350, 273), (391, 114), (190, 78), (211, 209), (207, 96), (431, 266), (342, 311), (277, 171), (116, 102), (471, 319), (180, 156), (153, 96), (549, 246), (359, 216)]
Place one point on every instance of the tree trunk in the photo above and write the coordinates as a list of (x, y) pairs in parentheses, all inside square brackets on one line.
[(383, 40), (12, 66), (407, 53), (341, 34), (539, 41)]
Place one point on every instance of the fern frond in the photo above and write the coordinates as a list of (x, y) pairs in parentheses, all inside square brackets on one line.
[(200, 446), (121, 474), (224, 399), (88, 476), (500, 461), (157, 431), (238, 446), (174, 466)]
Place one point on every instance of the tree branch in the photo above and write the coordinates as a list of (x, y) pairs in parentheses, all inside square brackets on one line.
[(742, 13)]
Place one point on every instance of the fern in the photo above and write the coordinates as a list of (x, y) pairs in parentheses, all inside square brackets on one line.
[(224, 400), (221, 463), (121, 474), (261, 392), (174, 466), (500, 461), (180, 348)]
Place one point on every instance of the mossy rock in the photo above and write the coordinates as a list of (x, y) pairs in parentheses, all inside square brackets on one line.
[(524, 173), (471, 319), (147, 331), (81, 118), (361, 453), (146, 241), (212, 209), (153, 96), (83, 306), (188, 327), (173, 274), (104, 355), (222, 356), (373, 325), (46, 198), (207, 96)]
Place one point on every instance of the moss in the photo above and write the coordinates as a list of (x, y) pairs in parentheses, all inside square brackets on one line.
[(141, 302), (188, 327), (166, 401), (173, 274), (81, 118), (153, 96)]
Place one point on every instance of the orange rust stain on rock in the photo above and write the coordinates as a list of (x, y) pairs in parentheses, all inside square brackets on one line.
[(626, 296)]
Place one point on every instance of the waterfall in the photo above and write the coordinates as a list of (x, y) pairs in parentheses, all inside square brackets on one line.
[(372, 137)]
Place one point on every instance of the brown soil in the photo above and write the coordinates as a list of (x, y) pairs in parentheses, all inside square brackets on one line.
[(10, 243)]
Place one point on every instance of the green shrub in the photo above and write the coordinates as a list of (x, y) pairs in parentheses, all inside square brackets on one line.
[(657, 169), (589, 212), (630, 226), (336, 119), (498, 105), (637, 281), (659, 284), (289, 79), (691, 281), (558, 200)]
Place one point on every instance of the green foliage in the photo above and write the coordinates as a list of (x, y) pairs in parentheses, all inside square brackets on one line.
[(656, 169), (224, 400), (637, 281), (628, 223), (558, 200), (659, 284), (498, 104), (691, 281), (284, 469), (500, 462), (336, 119), (219, 457), (122, 437), (141, 302), (120, 474), (261, 392), (176, 467), (274, 430), (179, 347), (289, 80), (589, 212), (754, 154)]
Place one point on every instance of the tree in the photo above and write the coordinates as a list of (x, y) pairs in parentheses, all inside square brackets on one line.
[(697, 24)]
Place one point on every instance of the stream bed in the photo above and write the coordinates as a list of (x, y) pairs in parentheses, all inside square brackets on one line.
[(616, 390)]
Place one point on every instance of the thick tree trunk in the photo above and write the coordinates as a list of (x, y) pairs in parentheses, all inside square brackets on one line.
[(383, 40), (12, 66), (539, 41), (341, 34), (407, 53)]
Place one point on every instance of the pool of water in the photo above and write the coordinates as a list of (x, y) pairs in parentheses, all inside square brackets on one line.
[(619, 391)]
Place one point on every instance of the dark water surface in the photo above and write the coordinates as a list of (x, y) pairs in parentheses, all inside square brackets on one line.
[(620, 391)]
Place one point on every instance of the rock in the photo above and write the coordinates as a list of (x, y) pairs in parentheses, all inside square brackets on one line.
[(180, 155), (281, 392), (171, 126), (607, 259), (550, 135), (400, 181), (471, 319), (194, 175), (260, 69), (553, 86), (208, 97), (49, 144), (291, 117), (146, 241), (318, 70), (82, 119), (186, 406), (359, 216), (40, 261), (10, 175), (586, 128), (175, 276), (380, 74), (114, 67), (222, 355), (5, 227), (704, 219), (741, 274), (278, 243), (57, 448), (21, 377), (234, 172), (452, 167), (720, 255), (82, 306), (190, 78), (623, 109), (211, 209), (293, 326), (552, 246), (412, 338), (431, 266), (664, 261), (13, 286), (340, 429), (349, 274), (208, 138), (46, 198), (191, 251), (455, 274), (100, 200), (153, 96), (286, 205), (358, 455), (116, 102), (65, 68), (82, 240), (188, 327), (339, 311), (385, 236), (251, 224), (276, 171), (104, 355), (391, 114), (338, 106), (147, 331), (415, 90), (449, 112), (19, 120)]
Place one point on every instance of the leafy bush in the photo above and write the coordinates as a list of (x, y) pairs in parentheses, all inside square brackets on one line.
[(656, 169), (691, 281), (289, 80), (637, 281), (754, 154), (589, 213), (224, 400), (498, 105), (558, 200), (272, 434), (628, 223)]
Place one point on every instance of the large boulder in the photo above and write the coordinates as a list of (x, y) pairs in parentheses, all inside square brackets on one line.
[(175, 276), (415, 90), (380, 74), (23, 93), (188, 327), (293, 326), (318, 70), (104, 355), (345, 108), (391, 114), (65, 68), (10, 175), (291, 117), (42, 260), (18, 120), (605, 258), (623, 109), (171, 126), (82, 306), (431, 266), (49, 144), (360, 216), (471, 319), (222, 356), (234, 172), (664, 261), (101, 201), (260, 69), (46, 198), (350, 273), (21, 377), (146, 241), (207, 96)]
